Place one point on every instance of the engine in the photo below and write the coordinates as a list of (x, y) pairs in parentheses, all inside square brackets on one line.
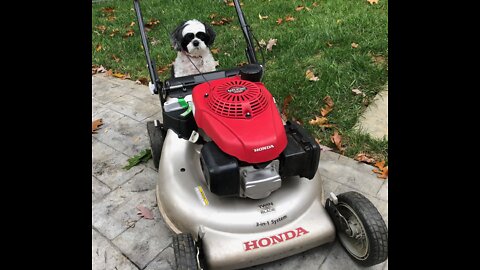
[(251, 150)]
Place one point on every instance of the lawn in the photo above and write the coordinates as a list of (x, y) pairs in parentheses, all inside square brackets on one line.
[(319, 38)]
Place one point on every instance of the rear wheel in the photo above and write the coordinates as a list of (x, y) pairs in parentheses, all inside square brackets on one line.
[(185, 252), (361, 229)]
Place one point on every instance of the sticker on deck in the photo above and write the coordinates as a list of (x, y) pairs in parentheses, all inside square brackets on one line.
[(201, 195)]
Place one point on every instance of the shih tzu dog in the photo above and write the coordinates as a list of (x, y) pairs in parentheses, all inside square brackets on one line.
[(192, 40)]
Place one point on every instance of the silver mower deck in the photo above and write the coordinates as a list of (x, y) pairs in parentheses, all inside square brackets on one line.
[(239, 232)]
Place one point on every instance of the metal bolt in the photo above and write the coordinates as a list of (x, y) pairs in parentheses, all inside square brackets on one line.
[(247, 115), (206, 95)]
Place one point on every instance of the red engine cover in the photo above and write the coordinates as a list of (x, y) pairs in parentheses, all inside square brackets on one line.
[(241, 118)]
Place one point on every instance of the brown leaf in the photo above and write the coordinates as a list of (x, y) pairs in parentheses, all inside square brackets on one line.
[(243, 63), (114, 31), (163, 69), (151, 24), (142, 80), (380, 164), (215, 50), (324, 111), (358, 92), (354, 45), (121, 76), (132, 24), (310, 76), (108, 10), (111, 18), (337, 140), (213, 15), (262, 43), (378, 59), (298, 8), (115, 58), (223, 21), (372, 2), (328, 100), (289, 18), (314, 4), (129, 33), (279, 21), (102, 28), (96, 69), (98, 48), (363, 157), (384, 174), (272, 42), (262, 17), (144, 212), (96, 125), (286, 102), (318, 121)]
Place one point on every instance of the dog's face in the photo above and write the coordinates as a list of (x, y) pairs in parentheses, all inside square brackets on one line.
[(193, 37)]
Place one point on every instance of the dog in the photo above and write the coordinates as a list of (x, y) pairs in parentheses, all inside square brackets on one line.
[(192, 40)]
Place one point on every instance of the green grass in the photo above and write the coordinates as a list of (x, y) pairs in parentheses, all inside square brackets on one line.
[(301, 45)]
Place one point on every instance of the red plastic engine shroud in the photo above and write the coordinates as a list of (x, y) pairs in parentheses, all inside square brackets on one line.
[(241, 118)]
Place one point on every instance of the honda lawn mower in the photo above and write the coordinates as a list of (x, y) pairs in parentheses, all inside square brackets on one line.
[(239, 186)]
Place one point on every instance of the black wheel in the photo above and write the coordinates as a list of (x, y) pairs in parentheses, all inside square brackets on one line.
[(156, 135), (362, 232), (185, 252)]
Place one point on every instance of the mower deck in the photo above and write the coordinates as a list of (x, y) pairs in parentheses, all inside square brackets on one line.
[(238, 232)]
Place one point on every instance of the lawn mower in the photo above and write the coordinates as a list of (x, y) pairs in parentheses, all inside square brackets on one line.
[(238, 185)]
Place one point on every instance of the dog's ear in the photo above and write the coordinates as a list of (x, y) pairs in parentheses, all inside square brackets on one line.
[(211, 34), (176, 36)]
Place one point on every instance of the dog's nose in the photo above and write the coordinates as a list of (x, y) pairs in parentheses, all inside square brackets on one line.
[(195, 43)]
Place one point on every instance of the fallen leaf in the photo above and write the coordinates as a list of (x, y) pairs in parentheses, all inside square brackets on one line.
[(378, 59), (111, 18), (372, 2), (262, 17), (272, 42), (279, 21), (230, 3), (102, 28), (358, 92), (121, 76), (108, 10), (109, 72), (328, 100), (142, 80), (318, 140), (217, 63), (310, 76), (314, 4), (115, 58), (129, 33), (329, 44), (327, 125), (114, 31), (163, 69), (286, 102), (318, 121), (151, 24), (337, 140), (384, 174), (98, 48), (96, 125), (243, 63), (262, 43), (223, 21), (130, 223), (132, 24), (365, 158), (354, 45), (215, 50), (143, 156), (144, 212), (213, 15), (101, 69), (324, 111), (289, 18), (298, 8), (380, 164)]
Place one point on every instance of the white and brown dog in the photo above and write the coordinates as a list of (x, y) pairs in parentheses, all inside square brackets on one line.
[(192, 40)]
